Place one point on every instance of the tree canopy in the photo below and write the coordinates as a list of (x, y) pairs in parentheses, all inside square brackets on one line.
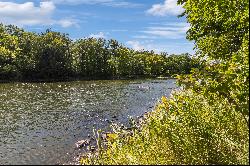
[(53, 55), (220, 30)]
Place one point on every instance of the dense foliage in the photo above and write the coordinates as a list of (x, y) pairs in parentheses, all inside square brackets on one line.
[(184, 130), (207, 122), (220, 30), (53, 55)]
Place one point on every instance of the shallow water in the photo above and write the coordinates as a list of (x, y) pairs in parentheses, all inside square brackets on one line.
[(40, 122)]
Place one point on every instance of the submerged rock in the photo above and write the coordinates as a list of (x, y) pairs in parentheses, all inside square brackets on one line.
[(82, 143)]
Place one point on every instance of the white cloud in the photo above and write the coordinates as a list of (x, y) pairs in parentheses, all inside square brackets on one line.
[(144, 37), (170, 48), (136, 45), (167, 31), (169, 7), (119, 30), (98, 35), (146, 45), (76, 2), (65, 23), (112, 3), (123, 4), (28, 14)]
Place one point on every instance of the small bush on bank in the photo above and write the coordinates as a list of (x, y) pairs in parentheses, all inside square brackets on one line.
[(186, 129)]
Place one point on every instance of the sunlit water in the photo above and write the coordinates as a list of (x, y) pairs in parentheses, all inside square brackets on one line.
[(40, 122)]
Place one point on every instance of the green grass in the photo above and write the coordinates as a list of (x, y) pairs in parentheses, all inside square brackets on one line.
[(185, 129)]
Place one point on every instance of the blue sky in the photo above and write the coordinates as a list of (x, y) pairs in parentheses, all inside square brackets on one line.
[(139, 24)]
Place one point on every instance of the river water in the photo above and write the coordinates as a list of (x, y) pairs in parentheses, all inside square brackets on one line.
[(40, 122)]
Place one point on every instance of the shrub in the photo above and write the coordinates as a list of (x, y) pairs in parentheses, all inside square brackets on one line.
[(186, 129)]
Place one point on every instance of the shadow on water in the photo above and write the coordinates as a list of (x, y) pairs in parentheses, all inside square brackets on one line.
[(40, 122)]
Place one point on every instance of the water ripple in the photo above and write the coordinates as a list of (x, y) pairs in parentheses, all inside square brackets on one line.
[(40, 122)]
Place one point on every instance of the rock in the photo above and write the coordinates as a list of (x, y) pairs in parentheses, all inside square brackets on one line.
[(106, 120), (82, 143), (91, 148), (143, 87), (104, 136)]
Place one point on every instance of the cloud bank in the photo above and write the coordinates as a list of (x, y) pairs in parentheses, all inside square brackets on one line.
[(28, 14), (111, 3), (169, 7)]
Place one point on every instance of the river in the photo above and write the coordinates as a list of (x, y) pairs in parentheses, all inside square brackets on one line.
[(40, 122)]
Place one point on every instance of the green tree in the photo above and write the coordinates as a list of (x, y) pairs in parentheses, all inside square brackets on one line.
[(53, 57), (26, 59), (8, 51), (220, 30), (91, 57)]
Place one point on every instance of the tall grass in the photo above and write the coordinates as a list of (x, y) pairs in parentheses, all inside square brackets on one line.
[(184, 129)]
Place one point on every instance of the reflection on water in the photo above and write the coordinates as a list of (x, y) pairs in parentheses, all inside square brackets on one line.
[(40, 122)]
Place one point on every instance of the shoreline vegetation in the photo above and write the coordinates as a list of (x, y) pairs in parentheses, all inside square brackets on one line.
[(157, 137), (53, 56), (207, 122), (204, 123), (80, 79)]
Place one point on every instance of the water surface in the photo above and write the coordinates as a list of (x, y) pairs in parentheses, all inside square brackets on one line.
[(40, 122)]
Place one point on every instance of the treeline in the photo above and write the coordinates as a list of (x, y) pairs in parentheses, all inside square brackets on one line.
[(53, 55)]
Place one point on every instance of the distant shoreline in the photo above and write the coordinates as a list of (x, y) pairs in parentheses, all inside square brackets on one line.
[(70, 79)]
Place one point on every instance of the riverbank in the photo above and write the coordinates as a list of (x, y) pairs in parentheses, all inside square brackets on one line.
[(183, 129), (90, 145)]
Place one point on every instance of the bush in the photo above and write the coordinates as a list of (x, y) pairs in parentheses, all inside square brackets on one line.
[(186, 129)]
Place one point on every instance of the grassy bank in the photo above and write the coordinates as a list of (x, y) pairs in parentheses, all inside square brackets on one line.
[(185, 129)]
